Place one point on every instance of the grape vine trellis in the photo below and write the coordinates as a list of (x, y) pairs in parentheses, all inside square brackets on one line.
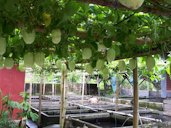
[(130, 33)]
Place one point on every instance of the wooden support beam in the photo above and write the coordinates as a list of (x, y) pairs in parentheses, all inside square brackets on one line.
[(53, 85), (40, 98), (63, 99), (136, 97), (53, 89), (83, 88), (44, 88)]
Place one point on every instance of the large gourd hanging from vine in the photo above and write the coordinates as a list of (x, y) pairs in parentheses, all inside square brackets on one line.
[(56, 36), (150, 62), (29, 60), (132, 4), (86, 53), (28, 37), (132, 63), (39, 58)]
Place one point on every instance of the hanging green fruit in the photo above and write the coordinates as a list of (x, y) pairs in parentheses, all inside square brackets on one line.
[(71, 65), (132, 63), (56, 36), (28, 37), (150, 62), (2, 45), (63, 67), (132, 4), (89, 68), (100, 64), (8, 63), (110, 55), (122, 65), (58, 64), (29, 60), (86, 53), (39, 58)]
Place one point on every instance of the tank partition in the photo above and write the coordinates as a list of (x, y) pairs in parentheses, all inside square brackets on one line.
[(157, 115), (98, 120), (52, 115), (113, 119)]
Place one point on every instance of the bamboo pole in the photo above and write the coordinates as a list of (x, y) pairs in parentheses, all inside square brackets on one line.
[(44, 88), (66, 97), (40, 98), (53, 89), (83, 88), (136, 97), (53, 86), (63, 96)]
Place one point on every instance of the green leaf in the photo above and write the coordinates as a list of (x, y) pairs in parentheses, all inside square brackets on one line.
[(34, 116), (168, 70)]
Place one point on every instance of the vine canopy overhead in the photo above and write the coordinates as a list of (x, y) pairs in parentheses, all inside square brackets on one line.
[(83, 31)]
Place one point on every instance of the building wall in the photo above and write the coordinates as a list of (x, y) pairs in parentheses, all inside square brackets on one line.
[(168, 83), (12, 83)]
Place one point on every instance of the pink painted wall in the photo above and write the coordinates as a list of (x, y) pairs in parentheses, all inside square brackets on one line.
[(12, 82), (168, 83)]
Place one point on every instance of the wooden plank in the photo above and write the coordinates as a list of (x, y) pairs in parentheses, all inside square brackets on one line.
[(83, 87), (83, 123), (89, 115)]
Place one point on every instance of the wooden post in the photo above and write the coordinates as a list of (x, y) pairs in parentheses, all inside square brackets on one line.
[(53, 86), (83, 86), (63, 99), (40, 98), (136, 97), (44, 88)]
